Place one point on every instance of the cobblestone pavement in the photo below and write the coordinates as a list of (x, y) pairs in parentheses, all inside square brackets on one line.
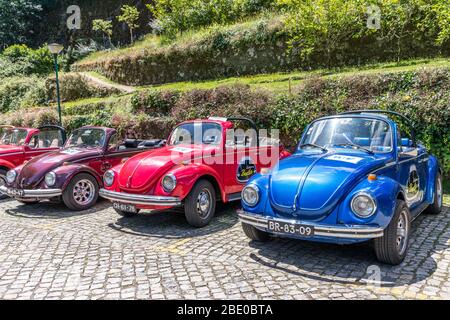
[(47, 252)]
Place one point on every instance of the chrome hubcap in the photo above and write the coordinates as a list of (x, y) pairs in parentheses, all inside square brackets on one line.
[(204, 203), (84, 192), (402, 232), (439, 191)]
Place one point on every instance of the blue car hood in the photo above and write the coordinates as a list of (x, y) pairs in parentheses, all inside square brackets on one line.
[(309, 186)]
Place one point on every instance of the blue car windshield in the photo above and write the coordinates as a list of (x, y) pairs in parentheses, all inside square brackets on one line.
[(365, 133)]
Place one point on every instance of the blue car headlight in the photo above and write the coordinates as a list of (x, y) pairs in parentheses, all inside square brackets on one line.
[(363, 205), (250, 195)]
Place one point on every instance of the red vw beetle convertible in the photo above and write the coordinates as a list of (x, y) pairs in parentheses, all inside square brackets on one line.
[(18, 145), (204, 161), (74, 172)]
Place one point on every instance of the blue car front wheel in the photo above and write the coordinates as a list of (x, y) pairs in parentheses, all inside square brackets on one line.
[(392, 247), (255, 234)]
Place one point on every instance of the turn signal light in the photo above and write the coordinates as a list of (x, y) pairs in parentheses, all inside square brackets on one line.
[(124, 160), (372, 177)]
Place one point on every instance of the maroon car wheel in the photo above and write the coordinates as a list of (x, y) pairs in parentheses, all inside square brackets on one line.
[(2, 183), (81, 193)]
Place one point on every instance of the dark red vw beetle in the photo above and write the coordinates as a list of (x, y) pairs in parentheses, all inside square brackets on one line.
[(18, 145), (74, 173)]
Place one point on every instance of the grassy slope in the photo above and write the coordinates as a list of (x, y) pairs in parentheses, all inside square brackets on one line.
[(154, 43), (279, 82)]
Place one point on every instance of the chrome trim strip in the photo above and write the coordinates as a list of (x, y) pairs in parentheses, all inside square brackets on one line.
[(129, 198), (32, 194), (350, 232)]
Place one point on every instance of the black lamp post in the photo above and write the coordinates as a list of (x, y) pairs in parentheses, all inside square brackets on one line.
[(56, 49)]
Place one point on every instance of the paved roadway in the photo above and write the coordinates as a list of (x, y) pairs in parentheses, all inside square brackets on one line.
[(47, 252)]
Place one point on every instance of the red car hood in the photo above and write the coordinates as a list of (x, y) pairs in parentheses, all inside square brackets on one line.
[(35, 170), (7, 149), (140, 172)]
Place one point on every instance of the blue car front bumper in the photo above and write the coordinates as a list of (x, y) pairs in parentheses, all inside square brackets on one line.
[(321, 231)]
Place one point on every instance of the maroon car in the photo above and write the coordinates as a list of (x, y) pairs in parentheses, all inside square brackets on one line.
[(18, 145), (74, 173)]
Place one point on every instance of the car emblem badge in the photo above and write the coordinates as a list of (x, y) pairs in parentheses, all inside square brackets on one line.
[(129, 182)]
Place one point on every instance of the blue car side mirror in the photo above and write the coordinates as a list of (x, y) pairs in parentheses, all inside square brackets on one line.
[(406, 142)]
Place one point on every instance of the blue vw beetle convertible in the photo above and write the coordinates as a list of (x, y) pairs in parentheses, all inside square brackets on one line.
[(355, 176)]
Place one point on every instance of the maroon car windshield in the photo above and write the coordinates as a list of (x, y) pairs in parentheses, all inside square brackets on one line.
[(15, 137), (86, 138)]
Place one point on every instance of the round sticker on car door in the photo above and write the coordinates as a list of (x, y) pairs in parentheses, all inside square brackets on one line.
[(245, 169)]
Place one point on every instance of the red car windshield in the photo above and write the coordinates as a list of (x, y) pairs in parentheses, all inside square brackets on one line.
[(15, 137), (196, 133)]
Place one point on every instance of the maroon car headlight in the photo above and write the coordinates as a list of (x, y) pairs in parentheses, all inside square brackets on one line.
[(50, 179), (108, 178), (11, 176), (169, 182)]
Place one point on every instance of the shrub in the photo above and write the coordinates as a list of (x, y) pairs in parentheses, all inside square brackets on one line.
[(20, 92), (41, 60), (225, 101), (16, 52), (143, 126), (21, 60), (153, 102)]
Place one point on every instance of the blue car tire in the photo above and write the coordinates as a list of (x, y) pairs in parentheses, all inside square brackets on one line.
[(436, 206), (392, 247), (255, 234)]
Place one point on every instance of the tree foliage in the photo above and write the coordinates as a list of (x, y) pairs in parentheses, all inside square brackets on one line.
[(337, 26), (130, 15), (176, 16), (103, 26), (16, 20)]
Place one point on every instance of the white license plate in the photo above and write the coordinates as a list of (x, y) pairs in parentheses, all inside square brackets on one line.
[(290, 228), (125, 207), (15, 192)]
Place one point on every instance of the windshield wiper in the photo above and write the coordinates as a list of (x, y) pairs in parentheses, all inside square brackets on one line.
[(313, 145), (355, 146)]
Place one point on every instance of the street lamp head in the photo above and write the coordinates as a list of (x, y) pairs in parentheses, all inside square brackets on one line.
[(55, 48)]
